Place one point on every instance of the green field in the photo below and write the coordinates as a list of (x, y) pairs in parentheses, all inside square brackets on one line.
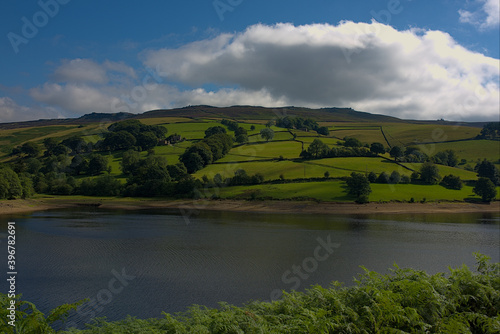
[(362, 134), (411, 134), (191, 130), (279, 134), (470, 150), (337, 167), (287, 149), (165, 120), (12, 138), (335, 191), (327, 140), (172, 153), (446, 170)]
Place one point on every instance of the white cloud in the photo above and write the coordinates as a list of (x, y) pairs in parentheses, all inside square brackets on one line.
[(87, 71), (487, 16), (372, 67), (75, 98), (10, 111)]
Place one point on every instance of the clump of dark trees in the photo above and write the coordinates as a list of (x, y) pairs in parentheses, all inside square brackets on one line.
[(358, 184), (352, 147), (490, 131), (300, 123), (63, 161)]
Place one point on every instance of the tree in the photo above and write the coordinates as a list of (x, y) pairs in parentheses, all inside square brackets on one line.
[(151, 178), (50, 143), (429, 173), (487, 169), (104, 185), (75, 143), (27, 186), (120, 140), (97, 164), (377, 148), (323, 131), (395, 178), (146, 140), (78, 165), (452, 182), (447, 158), (486, 189), (252, 127), (396, 152), (10, 185), (327, 174), (192, 161), (317, 149), (490, 131), (214, 130), (240, 178), (241, 135), (383, 178), (352, 142), (130, 161), (267, 134), (359, 186), (177, 171), (372, 177), (30, 149), (405, 179), (132, 126)]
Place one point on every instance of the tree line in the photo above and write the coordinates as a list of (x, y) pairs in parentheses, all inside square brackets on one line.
[(358, 184)]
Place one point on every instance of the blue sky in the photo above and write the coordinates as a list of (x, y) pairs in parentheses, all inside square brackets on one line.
[(410, 59)]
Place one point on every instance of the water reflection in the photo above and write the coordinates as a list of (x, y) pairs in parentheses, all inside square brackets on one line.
[(68, 255)]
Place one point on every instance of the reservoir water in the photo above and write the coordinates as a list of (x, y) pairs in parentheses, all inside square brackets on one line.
[(144, 262)]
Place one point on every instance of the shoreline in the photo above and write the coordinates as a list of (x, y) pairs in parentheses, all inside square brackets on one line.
[(191, 207)]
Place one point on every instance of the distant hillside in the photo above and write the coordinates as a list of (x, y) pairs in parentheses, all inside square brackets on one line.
[(234, 112), (85, 119), (251, 112)]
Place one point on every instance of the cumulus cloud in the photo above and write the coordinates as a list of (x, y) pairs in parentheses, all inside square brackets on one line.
[(10, 111), (487, 16), (372, 67), (86, 70)]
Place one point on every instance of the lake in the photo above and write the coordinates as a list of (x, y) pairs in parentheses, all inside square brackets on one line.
[(144, 262)]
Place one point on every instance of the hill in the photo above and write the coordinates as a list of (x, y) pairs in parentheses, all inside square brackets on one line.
[(55, 152), (234, 112)]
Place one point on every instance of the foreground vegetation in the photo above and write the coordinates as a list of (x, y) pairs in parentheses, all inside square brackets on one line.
[(404, 301)]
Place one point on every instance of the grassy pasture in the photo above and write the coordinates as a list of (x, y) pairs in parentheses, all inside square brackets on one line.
[(326, 191), (340, 167), (410, 134), (470, 150), (404, 192), (279, 134), (258, 127), (15, 137), (336, 191), (446, 170), (164, 120), (172, 153), (287, 149), (270, 169), (337, 167), (327, 140), (191, 130), (364, 135)]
